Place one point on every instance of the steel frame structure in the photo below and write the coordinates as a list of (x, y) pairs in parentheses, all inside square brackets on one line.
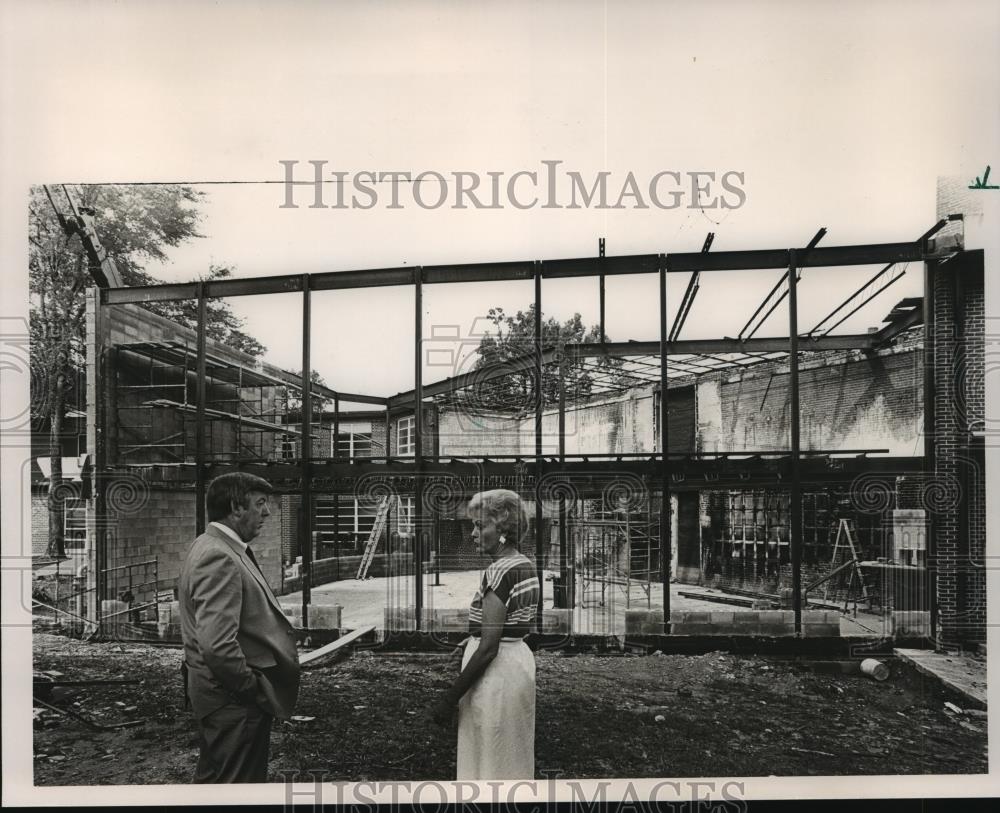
[(780, 470)]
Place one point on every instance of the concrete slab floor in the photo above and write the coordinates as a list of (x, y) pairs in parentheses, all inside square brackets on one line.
[(960, 673), (364, 602)]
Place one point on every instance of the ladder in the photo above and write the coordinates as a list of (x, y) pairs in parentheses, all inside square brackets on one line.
[(380, 518), (844, 530)]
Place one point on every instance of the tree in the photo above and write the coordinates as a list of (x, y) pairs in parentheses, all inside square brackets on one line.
[(318, 404), (136, 224), (515, 337)]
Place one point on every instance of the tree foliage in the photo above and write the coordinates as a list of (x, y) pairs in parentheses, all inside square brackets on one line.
[(136, 225), (514, 337), (319, 404)]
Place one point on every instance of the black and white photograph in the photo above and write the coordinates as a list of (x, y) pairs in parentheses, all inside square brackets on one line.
[(499, 403)]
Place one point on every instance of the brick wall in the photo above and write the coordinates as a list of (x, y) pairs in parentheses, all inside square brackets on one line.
[(957, 511), (39, 523), (289, 526)]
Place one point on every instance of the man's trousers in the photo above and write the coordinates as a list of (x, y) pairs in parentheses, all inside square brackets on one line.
[(235, 744)]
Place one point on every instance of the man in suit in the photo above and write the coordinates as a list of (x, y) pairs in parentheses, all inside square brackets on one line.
[(240, 659)]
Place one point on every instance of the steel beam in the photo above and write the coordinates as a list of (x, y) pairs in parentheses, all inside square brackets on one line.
[(306, 526), (687, 473), (479, 272), (418, 449), (335, 451), (876, 253), (795, 531), (771, 344), (149, 293), (929, 458), (597, 266), (602, 293), (665, 542), (689, 294), (199, 454), (539, 462), (374, 278), (567, 591), (891, 331), (873, 254)]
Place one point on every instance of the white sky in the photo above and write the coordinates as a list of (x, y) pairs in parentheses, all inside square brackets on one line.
[(840, 115)]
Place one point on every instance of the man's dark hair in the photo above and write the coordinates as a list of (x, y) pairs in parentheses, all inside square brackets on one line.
[(231, 489)]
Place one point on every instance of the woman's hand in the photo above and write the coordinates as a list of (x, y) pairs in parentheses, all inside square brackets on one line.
[(443, 711), (494, 616), (455, 658)]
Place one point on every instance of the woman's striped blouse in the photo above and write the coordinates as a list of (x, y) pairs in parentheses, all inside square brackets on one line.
[(515, 583)]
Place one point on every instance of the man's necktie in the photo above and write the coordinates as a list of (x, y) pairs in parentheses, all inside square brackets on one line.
[(253, 559)]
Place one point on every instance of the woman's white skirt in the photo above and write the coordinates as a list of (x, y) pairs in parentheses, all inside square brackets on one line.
[(496, 717)]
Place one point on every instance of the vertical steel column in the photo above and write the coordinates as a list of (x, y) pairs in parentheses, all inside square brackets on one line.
[(563, 530), (795, 526), (336, 491), (665, 541), (930, 462), (418, 450), (604, 335), (199, 448), (539, 403), (100, 481), (334, 453), (306, 526), (389, 514), (388, 431)]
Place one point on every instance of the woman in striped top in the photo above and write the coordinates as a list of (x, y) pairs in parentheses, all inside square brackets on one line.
[(495, 691)]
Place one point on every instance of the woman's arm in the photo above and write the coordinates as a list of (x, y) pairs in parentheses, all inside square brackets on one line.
[(494, 616)]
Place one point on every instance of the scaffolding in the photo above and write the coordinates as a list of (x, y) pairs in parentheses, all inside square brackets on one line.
[(617, 548), (155, 405)]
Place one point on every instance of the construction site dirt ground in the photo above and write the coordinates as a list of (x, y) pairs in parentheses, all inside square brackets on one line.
[(364, 718)]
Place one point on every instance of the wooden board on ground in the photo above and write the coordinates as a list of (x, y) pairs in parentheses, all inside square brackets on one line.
[(340, 643)]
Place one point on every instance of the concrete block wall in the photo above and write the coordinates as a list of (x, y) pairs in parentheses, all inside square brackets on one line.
[(462, 433), (457, 620), (163, 527), (332, 569), (321, 616), (815, 623), (622, 423)]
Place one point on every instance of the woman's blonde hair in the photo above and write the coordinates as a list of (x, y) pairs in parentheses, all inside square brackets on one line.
[(506, 509)]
